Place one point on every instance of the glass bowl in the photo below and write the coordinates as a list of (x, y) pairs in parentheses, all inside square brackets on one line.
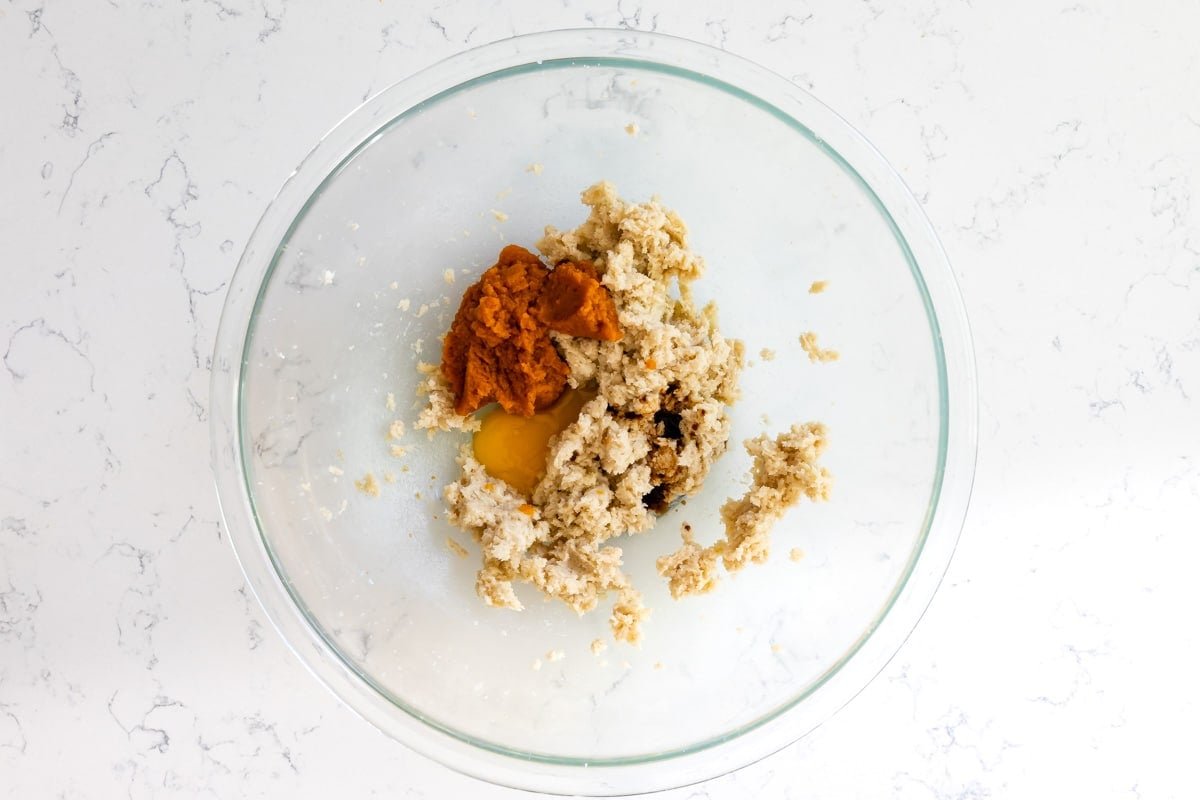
[(346, 284)]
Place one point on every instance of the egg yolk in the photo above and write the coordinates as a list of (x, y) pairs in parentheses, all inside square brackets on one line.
[(514, 448)]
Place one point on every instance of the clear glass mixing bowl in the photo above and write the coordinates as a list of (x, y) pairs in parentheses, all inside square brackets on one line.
[(436, 174)]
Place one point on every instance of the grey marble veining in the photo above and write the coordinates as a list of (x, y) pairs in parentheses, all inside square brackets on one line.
[(1055, 147)]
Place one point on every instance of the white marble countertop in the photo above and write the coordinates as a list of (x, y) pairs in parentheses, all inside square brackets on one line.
[(1056, 148)]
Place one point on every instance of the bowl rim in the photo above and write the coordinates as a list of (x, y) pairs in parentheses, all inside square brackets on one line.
[(957, 413)]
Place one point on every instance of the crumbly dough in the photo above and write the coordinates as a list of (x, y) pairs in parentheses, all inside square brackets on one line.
[(439, 414), (691, 569), (651, 434), (785, 469), (808, 342)]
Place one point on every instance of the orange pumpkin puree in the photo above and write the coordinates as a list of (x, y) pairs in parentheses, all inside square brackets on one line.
[(499, 347)]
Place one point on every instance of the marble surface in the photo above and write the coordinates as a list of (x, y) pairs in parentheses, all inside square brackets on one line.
[(1056, 148)]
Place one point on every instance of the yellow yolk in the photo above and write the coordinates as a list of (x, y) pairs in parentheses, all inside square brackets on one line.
[(514, 448)]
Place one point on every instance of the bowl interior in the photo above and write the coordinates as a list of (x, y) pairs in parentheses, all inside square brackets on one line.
[(361, 290)]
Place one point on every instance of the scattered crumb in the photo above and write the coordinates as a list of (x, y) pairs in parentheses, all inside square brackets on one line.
[(399, 451), (555, 655), (535, 168), (305, 486), (390, 402), (368, 485), (471, 113), (767, 354), (764, 419), (342, 508), (658, 665), (603, 663), (417, 346), (389, 477), (395, 284), (499, 215), (504, 194), (739, 629), (776, 648), (456, 548), (448, 276), (353, 226), (796, 554), (404, 304), (599, 646), (536, 665), (423, 310), (335, 470), (325, 513), (632, 129), (340, 455), (395, 430), (327, 278), (818, 287), (808, 341)]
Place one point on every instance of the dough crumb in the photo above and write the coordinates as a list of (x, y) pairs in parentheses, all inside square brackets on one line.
[(785, 469), (504, 193), (456, 548), (336, 471), (632, 129), (535, 168), (390, 402), (808, 341), (327, 277), (439, 414), (389, 477), (599, 646), (399, 451), (423, 310), (776, 648), (325, 513), (404, 304), (395, 429), (555, 655), (536, 665), (767, 354), (796, 554), (658, 665), (448, 276), (818, 287), (691, 569), (368, 485), (499, 215)]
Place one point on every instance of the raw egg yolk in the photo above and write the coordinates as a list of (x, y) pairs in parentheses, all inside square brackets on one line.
[(514, 448)]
